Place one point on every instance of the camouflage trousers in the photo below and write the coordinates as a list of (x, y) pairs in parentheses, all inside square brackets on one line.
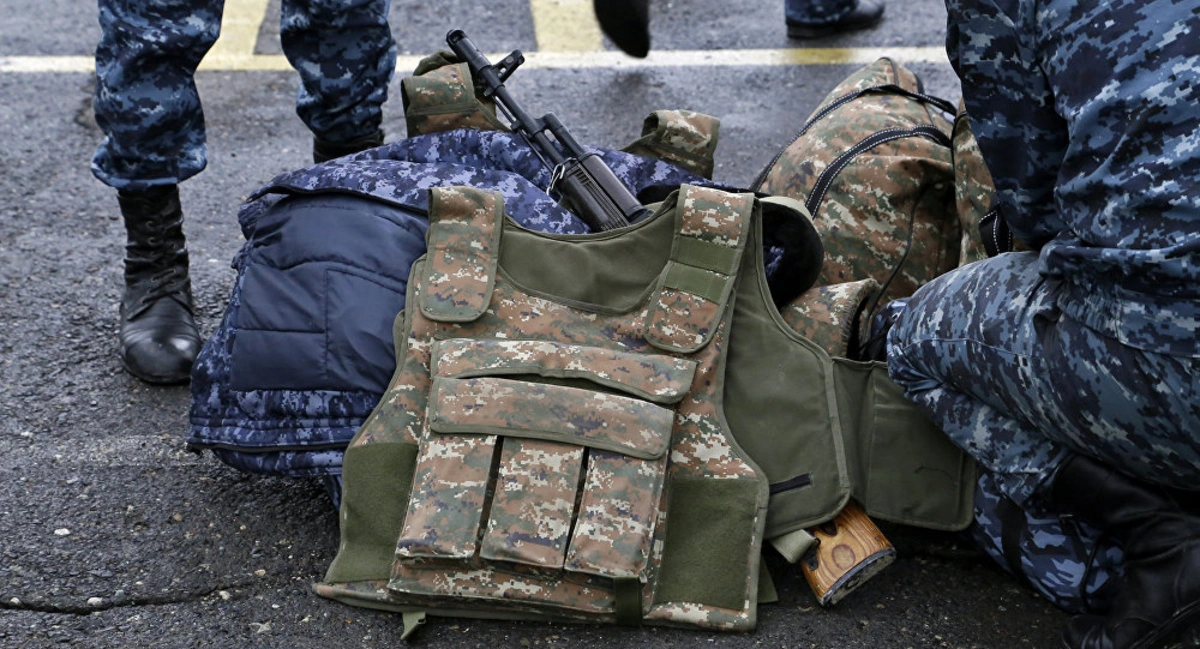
[(146, 101), (1070, 563), (817, 11), (987, 353)]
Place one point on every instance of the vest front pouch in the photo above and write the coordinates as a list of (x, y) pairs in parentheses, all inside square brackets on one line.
[(905, 470), (516, 474), (572, 460)]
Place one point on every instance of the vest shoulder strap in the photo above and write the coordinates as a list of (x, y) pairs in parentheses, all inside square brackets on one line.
[(463, 246), (712, 228)]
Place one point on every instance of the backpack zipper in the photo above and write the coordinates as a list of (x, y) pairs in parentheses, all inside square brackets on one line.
[(937, 102), (825, 180)]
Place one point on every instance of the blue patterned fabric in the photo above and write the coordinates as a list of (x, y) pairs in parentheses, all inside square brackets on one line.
[(1085, 111), (304, 350), (146, 100), (1067, 561)]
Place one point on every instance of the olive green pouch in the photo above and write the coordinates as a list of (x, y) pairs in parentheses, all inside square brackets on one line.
[(903, 468)]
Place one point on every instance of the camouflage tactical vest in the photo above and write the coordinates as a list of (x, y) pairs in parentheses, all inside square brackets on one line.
[(552, 445)]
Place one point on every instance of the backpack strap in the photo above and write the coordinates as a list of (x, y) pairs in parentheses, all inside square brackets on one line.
[(712, 228), (463, 247)]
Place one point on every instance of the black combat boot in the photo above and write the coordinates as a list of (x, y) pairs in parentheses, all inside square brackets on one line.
[(867, 13), (159, 340), (324, 150), (1158, 606)]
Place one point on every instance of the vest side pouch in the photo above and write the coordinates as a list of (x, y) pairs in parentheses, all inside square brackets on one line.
[(780, 404), (904, 469), (541, 473)]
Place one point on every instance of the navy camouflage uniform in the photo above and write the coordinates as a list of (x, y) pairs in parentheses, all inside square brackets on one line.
[(146, 101), (1085, 111)]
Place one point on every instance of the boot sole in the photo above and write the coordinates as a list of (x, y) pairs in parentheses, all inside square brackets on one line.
[(1182, 632), (157, 380), (810, 32)]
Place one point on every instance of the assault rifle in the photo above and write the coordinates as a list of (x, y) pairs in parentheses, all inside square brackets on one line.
[(585, 185)]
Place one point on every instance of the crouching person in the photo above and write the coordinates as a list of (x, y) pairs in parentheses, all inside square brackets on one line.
[(1070, 371)]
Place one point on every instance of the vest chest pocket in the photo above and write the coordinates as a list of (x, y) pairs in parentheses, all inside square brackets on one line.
[(543, 455)]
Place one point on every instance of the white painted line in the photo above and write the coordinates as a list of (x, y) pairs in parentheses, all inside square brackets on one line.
[(36, 64), (133, 450), (552, 60)]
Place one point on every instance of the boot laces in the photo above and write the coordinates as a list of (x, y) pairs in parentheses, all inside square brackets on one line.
[(156, 260)]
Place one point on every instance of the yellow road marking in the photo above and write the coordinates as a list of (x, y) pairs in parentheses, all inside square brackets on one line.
[(556, 60), (239, 33), (567, 37), (565, 26)]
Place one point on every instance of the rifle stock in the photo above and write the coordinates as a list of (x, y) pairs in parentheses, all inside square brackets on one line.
[(850, 550)]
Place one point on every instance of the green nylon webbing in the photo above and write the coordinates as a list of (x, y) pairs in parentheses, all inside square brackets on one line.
[(707, 255), (413, 620), (627, 596), (697, 281)]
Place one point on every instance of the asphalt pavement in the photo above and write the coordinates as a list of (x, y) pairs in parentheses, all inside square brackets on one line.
[(112, 534)]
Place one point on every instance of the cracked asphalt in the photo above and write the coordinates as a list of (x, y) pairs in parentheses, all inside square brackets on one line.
[(113, 535)]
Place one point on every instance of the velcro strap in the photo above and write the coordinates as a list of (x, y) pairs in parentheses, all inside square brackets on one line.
[(463, 251), (627, 593), (713, 226)]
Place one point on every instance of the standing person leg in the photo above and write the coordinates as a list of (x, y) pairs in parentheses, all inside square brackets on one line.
[(820, 18), (345, 54), (148, 108)]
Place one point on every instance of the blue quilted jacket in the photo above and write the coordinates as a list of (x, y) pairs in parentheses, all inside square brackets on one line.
[(304, 350)]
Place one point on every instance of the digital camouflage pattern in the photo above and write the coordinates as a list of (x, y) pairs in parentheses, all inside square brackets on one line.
[(1035, 392), (684, 138), (830, 315), (402, 172), (973, 188), (258, 430), (572, 415), (534, 554), (1069, 562), (1090, 343), (462, 250), (657, 378), (440, 96), (873, 166), (699, 278), (146, 100), (1094, 157)]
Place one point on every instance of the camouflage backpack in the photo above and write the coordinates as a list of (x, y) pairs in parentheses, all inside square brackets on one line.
[(874, 165)]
